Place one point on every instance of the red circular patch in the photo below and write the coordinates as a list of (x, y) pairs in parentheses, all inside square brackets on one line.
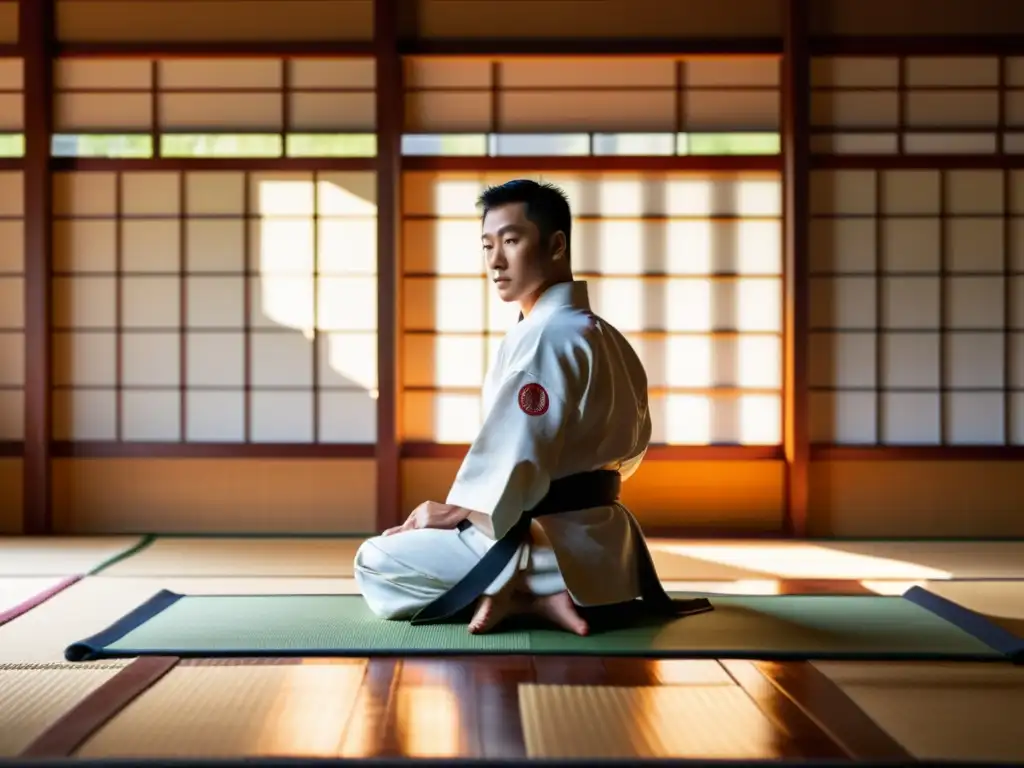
[(533, 400)]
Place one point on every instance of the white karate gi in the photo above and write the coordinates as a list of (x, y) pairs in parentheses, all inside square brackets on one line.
[(567, 394)]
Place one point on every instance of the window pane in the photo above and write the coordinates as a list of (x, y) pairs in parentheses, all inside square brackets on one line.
[(448, 144), (220, 145), (331, 145), (729, 144), (634, 144), (539, 144), (101, 145), (12, 145)]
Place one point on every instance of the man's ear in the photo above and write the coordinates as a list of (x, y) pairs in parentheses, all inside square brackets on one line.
[(557, 246)]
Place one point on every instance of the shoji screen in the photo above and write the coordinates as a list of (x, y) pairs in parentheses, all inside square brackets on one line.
[(687, 265)]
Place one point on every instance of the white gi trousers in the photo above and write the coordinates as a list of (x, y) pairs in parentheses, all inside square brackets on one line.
[(402, 573)]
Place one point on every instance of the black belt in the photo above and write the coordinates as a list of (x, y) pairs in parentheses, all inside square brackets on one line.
[(582, 491)]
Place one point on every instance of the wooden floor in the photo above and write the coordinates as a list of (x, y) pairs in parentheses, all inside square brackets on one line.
[(514, 707)]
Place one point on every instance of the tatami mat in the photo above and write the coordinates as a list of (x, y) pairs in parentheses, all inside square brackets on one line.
[(96, 602), (208, 557), (58, 555), (689, 721), (941, 711), (280, 710), (998, 599), (958, 559), (702, 560), (17, 590), (34, 698)]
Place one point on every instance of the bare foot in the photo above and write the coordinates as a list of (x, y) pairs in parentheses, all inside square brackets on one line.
[(493, 609), (560, 610)]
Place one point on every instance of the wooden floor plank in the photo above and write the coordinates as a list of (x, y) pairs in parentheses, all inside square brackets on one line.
[(638, 671), (808, 739), (698, 722), (501, 730), (569, 670), (436, 706), (846, 723), (370, 730)]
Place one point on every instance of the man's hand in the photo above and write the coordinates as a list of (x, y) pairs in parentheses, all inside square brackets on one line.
[(431, 514)]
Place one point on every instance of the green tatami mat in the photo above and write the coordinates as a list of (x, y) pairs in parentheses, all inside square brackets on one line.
[(741, 626)]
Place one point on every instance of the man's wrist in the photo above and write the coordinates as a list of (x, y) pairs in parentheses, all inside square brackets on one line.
[(457, 513)]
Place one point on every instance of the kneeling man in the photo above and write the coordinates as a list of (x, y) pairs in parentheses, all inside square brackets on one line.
[(533, 522)]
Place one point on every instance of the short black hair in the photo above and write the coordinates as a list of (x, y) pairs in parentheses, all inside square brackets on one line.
[(547, 206)]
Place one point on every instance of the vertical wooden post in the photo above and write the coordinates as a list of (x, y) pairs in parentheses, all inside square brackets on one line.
[(796, 98), (37, 41), (390, 119)]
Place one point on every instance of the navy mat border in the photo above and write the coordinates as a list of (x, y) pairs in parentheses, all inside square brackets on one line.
[(1005, 646), (971, 622), (93, 648)]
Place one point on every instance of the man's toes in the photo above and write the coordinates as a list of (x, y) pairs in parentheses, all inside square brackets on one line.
[(488, 614), (559, 610)]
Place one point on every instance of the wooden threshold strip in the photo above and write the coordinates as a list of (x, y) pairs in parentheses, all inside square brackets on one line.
[(97, 709), (821, 700)]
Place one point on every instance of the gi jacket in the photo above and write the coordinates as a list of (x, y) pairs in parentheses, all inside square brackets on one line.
[(566, 394)]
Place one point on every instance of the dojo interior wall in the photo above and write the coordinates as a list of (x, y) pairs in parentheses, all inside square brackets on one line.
[(881, 370)]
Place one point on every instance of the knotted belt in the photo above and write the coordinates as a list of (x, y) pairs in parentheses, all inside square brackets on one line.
[(582, 491)]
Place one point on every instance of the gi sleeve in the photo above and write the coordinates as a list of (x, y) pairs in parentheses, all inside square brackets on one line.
[(508, 467)]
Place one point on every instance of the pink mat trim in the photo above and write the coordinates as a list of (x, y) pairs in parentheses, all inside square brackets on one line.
[(38, 599)]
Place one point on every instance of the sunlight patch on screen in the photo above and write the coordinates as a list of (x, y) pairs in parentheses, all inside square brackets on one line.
[(354, 357), (619, 300), (760, 304), (459, 361), (501, 315), (346, 246), (280, 197), (687, 419), (689, 197), (456, 247), (347, 303), (459, 304), (689, 305), (621, 197), (346, 194), (759, 247), (620, 247), (760, 197), (760, 419), (345, 296), (690, 247), (456, 197), (288, 301), (457, 417), (688, 361), (760, 362), (286, 246)]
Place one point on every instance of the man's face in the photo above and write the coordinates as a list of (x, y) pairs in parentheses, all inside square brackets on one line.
[(516, 257)]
